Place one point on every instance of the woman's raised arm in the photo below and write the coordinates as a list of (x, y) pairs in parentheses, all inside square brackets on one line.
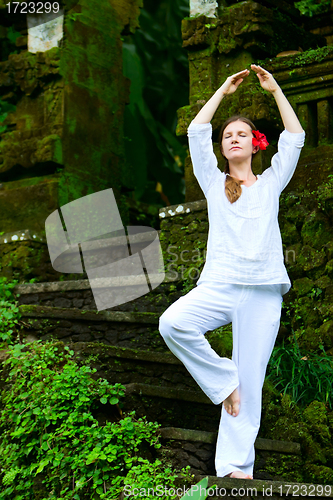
[(229, 87), (288, 115)]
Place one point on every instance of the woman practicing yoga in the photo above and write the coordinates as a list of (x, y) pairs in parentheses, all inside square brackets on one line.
[(244, 277)]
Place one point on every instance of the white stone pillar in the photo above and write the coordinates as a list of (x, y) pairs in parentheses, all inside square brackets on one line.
[(205, 7), (44, 30)]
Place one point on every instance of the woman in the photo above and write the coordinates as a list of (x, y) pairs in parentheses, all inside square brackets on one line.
[(244, 276)]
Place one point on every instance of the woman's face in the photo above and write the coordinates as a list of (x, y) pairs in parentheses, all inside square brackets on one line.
[(237, 141)]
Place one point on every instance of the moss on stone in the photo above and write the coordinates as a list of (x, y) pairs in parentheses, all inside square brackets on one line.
[(325, 334), (319, 474), (315, 415), (316, 230), (221, 340), (302, 286), (296, 60), (284, 420), (311, 258)]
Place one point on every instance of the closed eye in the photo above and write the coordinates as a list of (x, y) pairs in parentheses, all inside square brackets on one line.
[(228, 136)]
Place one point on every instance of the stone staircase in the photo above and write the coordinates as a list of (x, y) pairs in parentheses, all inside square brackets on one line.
[(66, 310), (124, 345)]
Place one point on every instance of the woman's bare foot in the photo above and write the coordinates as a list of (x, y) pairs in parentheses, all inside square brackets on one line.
[(239, 475), (231, 403)]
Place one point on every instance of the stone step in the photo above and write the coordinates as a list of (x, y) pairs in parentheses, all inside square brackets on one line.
[(153, 373), (78, 294), (118, 328), (256, 488), (35, 311), (157, 384), (167, 393), (210, 437), (184, 447)]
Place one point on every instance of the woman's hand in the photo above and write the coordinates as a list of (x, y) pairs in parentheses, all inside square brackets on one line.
[(266, 79), (232, 82), (288, 115)]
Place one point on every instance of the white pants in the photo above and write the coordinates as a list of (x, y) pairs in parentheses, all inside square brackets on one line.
[(254, 311)]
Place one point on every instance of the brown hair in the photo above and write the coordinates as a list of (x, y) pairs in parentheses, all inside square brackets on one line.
[(233, 188)]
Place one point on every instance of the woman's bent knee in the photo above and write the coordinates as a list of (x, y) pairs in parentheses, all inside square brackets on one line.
[(165, 324)]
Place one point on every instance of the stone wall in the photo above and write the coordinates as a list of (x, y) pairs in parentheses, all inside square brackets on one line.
[(64, 140)]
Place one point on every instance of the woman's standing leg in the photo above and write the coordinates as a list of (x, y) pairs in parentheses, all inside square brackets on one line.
[(255, 324)]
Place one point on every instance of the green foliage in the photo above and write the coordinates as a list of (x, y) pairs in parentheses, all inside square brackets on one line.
[(305, 377), (145, 476), (157, 66), (188, 285), (9, 311), (51, 440), (12, 35), (8, 44), (73, 16), (313, 55), (5, 108), (191, 274), (312, 7)]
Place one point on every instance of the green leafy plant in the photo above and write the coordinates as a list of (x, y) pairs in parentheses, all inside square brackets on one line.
[(9, 311), (305, 377), (51, 439), (150, 479)]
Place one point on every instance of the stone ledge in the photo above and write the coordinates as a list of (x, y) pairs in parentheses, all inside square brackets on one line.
[(182, 208), (167, 393), (210, 437), (265, 488), (22, 235), (52, 286), (29, 234), (127, 353), (279, 446), (32, 311), (188, 435), (71, 285)]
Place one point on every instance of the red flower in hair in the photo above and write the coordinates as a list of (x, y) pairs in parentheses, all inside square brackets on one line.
[(259, 140)]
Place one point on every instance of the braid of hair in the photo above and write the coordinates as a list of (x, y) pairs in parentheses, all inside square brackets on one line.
[(233, 188)]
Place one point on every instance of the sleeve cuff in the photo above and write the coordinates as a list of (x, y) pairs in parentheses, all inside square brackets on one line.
[(293, 138), (196, 128)]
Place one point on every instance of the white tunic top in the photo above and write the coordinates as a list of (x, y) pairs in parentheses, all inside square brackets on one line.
[(244, 241)]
